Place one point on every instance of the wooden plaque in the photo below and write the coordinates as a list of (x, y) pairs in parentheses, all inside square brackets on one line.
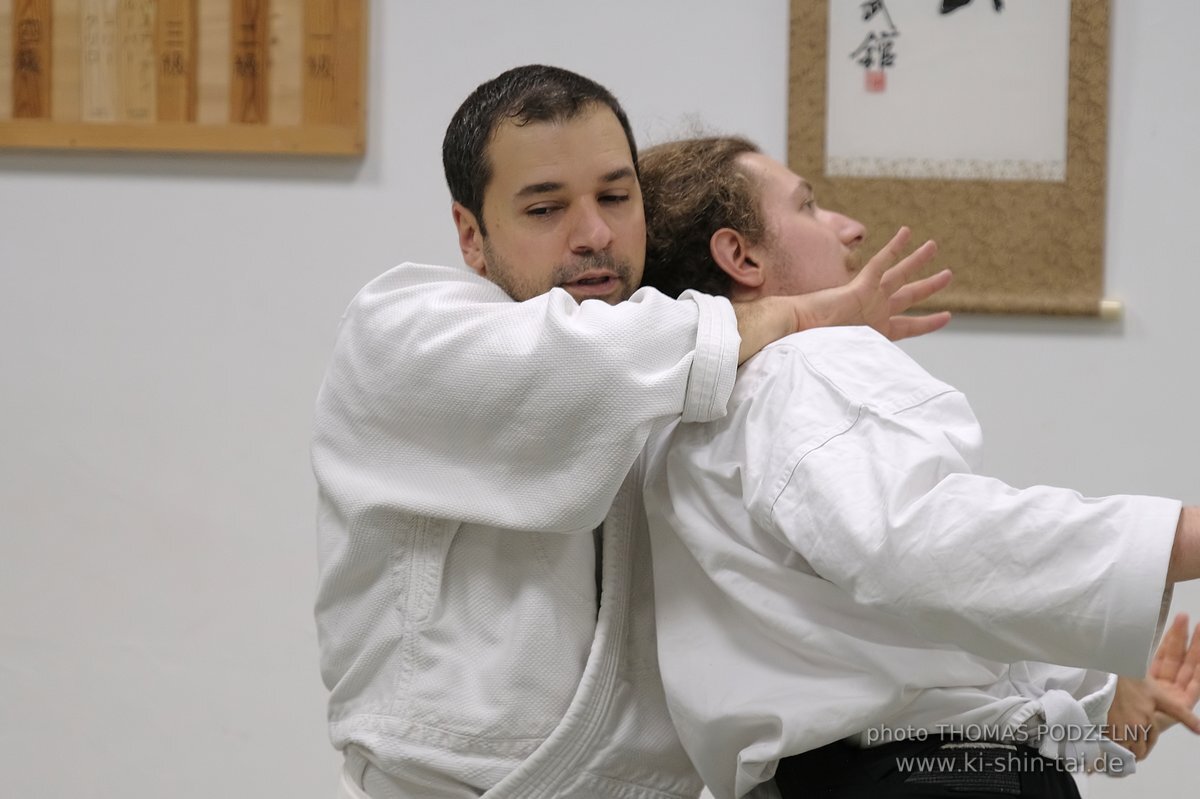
[(261, 76)]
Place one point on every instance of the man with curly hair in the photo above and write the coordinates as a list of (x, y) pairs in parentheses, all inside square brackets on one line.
[(845, 607)]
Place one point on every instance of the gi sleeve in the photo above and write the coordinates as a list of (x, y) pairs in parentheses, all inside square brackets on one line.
[(447, 399), (881, 498)]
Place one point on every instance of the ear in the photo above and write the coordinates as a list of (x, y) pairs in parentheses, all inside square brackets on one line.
[(731, 251), (470, 238)]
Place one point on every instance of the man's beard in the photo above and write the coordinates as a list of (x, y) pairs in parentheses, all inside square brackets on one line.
[(567, 273), (854, 260), (500, 273)]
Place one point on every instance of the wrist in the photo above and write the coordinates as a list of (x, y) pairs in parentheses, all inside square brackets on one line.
[(826, 308)]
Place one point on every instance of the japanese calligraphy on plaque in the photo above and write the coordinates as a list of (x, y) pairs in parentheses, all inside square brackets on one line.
[(226, 75)]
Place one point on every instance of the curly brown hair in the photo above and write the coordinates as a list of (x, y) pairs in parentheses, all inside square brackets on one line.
[(691, 189)]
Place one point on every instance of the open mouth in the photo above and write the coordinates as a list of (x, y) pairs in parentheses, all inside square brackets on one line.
[(593, 284)]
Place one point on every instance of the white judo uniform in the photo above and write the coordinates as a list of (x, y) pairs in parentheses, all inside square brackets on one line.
[(465, 448), (826, 563)]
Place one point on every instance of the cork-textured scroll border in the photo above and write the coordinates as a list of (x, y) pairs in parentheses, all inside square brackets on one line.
[(1017, 247)]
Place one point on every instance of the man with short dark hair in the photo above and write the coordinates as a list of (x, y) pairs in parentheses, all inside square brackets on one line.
[(837, 592), (484, 609)]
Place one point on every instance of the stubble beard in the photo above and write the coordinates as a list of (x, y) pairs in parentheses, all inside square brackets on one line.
[(566, 273), (854, 260), (500, 272)]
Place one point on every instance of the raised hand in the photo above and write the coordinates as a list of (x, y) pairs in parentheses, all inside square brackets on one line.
[(1175, 671), (884, 289), (877, 296), (1143, 709)]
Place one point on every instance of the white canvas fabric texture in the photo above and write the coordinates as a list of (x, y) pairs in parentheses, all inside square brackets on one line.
[(827, 561), (465, 447)]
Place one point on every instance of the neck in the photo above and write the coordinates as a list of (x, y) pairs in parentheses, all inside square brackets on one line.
[(740, 293)]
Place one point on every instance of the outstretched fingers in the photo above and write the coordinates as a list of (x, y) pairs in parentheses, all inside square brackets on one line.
[(904, 292), (886, 287), (1175, 676), (909, 326), (907, 268), (886, 259), (1188, 676), (1176, 709), (909, 294), (1169, 656)]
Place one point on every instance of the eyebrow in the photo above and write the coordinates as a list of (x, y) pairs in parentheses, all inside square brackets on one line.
[(549, 186), (618, 174), (540, 188), (803, 189)]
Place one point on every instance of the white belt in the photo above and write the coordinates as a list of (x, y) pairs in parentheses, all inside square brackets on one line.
[(1063, 711)]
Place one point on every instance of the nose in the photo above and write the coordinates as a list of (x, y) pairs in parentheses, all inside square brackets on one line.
[(849, 231), (589, 230)]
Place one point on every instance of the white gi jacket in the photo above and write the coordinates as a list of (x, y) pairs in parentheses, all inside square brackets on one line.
[(826, 561), (465, 448)]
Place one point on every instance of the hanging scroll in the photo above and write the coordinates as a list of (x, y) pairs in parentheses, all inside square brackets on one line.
[(978, 123)]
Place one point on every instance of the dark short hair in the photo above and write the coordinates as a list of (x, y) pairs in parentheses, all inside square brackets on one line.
[(691, 189), (532, 93)]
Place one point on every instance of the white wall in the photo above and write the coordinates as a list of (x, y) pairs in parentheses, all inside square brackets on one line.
[(1101, 407), (165, 320)]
